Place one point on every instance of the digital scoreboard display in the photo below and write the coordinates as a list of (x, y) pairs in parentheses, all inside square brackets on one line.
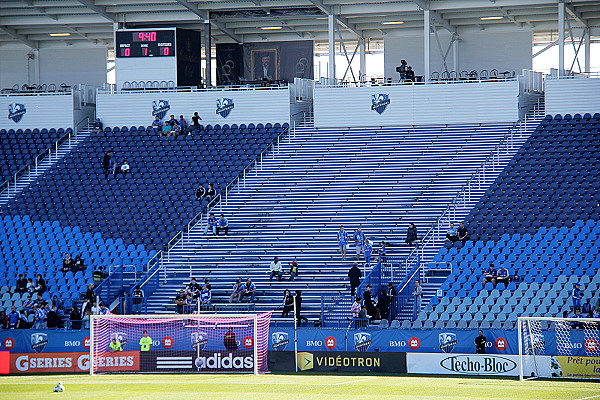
[(145, 43)]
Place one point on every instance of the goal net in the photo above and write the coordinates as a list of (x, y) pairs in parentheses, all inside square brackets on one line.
[(179, 343), (559, 347)]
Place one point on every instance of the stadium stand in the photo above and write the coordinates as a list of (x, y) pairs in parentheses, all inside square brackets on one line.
[(540, 219), (20, 147)]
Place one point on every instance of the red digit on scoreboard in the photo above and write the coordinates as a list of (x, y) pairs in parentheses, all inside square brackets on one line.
[(126, 52), (141, 36), (145, 51), (166, 51), (152, 37)]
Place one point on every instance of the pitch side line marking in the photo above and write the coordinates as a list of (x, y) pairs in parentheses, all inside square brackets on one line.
[(359, 380), (591, 397)]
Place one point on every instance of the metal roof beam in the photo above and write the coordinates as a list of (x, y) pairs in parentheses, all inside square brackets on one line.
[(99, 10), (576, 15), (13, 34), (341, 20), (436, 16), (205, 15)]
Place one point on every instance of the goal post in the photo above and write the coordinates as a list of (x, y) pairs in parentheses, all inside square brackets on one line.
[(190, 343), (559, 347)]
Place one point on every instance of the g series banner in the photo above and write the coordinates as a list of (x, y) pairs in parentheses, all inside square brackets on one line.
[(31, 363)]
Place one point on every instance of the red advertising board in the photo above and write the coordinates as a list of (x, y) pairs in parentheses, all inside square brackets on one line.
[(4, 362), (72, 362)]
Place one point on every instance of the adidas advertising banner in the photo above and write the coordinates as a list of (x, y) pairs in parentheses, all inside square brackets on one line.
[(192, 361), (338, 361), (462, 364)]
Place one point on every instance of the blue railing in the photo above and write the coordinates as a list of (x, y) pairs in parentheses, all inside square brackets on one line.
[(148, 283), (406, 288), (111, 287)]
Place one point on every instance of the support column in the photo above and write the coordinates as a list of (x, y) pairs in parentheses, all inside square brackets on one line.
[(455, 55), (587, 44), (331, 36), (207, 53), (426, 44), (561, 38), (363, 59)]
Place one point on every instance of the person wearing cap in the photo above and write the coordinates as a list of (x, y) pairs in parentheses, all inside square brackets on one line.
[(97, 126), (576, 296), (293, 270)]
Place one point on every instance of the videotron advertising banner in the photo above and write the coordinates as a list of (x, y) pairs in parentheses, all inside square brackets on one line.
[(338, 361)]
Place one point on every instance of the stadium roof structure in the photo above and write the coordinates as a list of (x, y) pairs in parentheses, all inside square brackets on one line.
[(45, 23)]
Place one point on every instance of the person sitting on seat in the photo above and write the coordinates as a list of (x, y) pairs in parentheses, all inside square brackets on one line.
[(222, 225), (503, 276), (96, 126), (157, 125), (452, 234), (489, 275), (125, 168)]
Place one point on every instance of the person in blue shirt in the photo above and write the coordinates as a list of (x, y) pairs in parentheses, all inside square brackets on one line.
[(359, 242), (211, 224), (222, 225), (503, 276), (96, 126), (157, 125), (382, 253), (576, 296), (14, 318), (489, 275), (248, 289), (342, 237), (205, 296), (368, 251), (184, 125), (452, 233)]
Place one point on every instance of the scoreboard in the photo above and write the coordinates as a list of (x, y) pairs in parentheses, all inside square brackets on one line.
[(158, 54)]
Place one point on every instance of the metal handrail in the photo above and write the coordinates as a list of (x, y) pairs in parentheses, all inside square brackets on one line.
[(48, 152)]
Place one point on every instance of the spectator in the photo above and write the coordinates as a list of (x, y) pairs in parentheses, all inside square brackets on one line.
[(229, 340), (359, 242), (418, 295), (368, 251), (236, 291), (196, 122), (382, 253), (95, 308), (180, 301), (452, 234), (14, 318), (205, 296), (52, 318), (4, 324), (463, 233), (210, 193), (354, 275), (489, 275), (293, 270), (166, 129), (480, 343), (342, 237), (125, 169), (576, 296), (193, 288), (137, 300), (78, 264), (75, 318), (89, 293), (369, 304), (391, 294), (383, 304), (190, 303), (222, 225), (183, 125), (172, 121), (288, 303), (298, 309), (30, 286), (503, 276), (211, 224), (200, 192), (21, 284), (577, 324), (97, 126), (39, 301), (67, 263), (587, 310), (276, 269), (39, 317), (355, 309), (108, 164), (157, 125), (98, 276), (28, 306), (175, 129), (102, 310), (86, 311), (56, 302), (411, 234), (249, 289), (40, 285)]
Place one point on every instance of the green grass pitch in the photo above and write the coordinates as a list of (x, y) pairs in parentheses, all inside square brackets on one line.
[(287, 387)]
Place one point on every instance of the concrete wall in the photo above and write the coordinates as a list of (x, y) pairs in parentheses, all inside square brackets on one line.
[(433, 104), (572, 96), (256, 106), (503, 50), (58, 65)]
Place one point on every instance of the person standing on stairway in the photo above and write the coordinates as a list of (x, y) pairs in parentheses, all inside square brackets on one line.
[(368, 251), (342, 237), (359, 242), (354, 275)]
